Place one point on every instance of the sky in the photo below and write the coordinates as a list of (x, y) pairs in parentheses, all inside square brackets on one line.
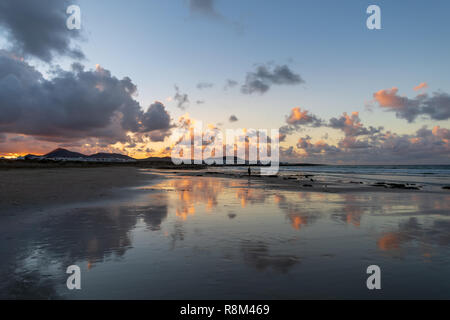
[(137, 70)]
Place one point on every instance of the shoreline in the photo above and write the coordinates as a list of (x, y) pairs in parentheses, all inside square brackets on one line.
[(309, 183)]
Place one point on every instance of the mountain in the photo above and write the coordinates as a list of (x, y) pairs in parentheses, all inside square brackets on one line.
[(157, 159), (103, 155), (63, 153)]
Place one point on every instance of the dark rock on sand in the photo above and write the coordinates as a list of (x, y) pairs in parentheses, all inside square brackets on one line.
[(378, 184), (395, 186)]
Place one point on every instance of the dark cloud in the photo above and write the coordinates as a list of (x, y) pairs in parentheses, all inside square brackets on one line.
[(353, 143), (207, 9), (38, 28), (73, 104), (319, 147), (204, 7), (233, 118), (435, 106), (204, 85), (159, 135), (182, 99), (351, 125), (156, 118), (260, 80), (230, 84)]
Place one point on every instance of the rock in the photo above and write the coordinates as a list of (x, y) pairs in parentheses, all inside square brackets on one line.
[(379, 185)]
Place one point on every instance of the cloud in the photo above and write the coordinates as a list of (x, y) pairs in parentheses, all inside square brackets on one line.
[(441, 132), (75, 104), (38, 28), (351, 125), (204, 7), (353, 143), (422, 85), (389, 98), (318, 147), (425, 146), (182, 99), (204, 85), (230, 84), (155, 118), (436, 106), (233, 118), (299, 117), (207, 9), (363, 144), (260, 80), (159, 135)]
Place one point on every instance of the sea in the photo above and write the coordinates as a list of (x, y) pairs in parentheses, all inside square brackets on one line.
[(421, 174)]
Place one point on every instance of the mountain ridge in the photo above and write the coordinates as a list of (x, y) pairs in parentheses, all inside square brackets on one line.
[(64, 153)]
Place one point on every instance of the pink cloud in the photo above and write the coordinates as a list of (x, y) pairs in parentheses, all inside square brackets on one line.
[(389, 98), (423, 85)]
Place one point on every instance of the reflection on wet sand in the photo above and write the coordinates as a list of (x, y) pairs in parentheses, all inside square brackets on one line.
[(258, 255), (352, 212), (430, 237), (294, 212), (92, 234), (96, 233), (209, 236), (195, 191)]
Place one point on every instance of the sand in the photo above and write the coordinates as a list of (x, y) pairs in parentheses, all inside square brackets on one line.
[(34, 189), (22, 189), (161, 234)]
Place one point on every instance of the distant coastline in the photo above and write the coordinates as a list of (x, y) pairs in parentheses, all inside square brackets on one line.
[(66, 158)]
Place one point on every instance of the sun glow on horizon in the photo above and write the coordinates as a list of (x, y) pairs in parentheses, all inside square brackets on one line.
[(11, 156)]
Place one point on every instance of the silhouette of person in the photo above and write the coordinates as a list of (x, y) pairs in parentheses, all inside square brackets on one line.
[(249, 171)]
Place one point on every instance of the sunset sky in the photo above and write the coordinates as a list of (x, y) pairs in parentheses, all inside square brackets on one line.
[(338, 92)]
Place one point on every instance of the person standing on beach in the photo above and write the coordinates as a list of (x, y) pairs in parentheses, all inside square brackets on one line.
[(249, 172)]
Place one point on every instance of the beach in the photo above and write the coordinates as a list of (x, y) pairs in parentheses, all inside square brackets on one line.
[(211, 234), (35, 189)]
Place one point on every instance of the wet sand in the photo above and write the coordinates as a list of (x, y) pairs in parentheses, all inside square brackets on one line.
[(161, 234), (35, 189)]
